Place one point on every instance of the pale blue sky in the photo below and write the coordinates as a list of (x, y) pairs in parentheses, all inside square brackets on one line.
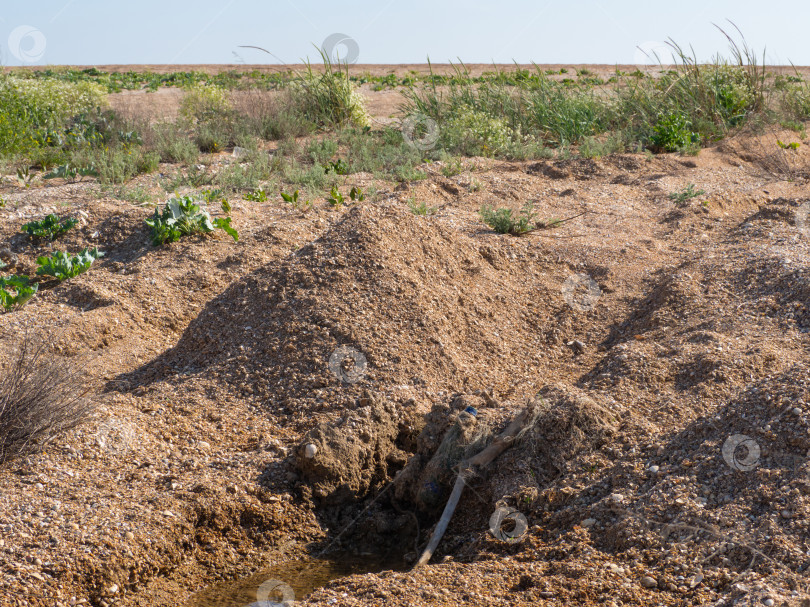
[(209, 31)]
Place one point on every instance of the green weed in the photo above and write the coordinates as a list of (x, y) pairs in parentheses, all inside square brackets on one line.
[(50, 228), (684, 196), (420, 208)]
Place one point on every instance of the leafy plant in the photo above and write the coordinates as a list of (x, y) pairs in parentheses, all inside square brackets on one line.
[(291, 198), (684, 196), (182, 217), (256, 196), (420, 208), (357, 195), (214, 195), (673, 132), (52, 227), (15, 291), (336, 199), (71, 173), (504, 222), (61, 265)]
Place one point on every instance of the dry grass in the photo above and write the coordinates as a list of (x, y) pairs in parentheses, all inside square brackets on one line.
[(41, 397)]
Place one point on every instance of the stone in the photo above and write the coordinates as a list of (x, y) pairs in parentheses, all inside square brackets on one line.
[(649, 582)]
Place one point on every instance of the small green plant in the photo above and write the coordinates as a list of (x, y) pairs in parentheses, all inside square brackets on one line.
[(15, 291), (673, 132), (50, 228), (226, 206), (338, 167), (71, 173), (24, 176), (61, 265), (453, 167), (214, 195), (357, 195), (504, 222), (420, 208), (256, 196), (684, 196), (336, 199), (293, 200), (183, 217), (788, 146)]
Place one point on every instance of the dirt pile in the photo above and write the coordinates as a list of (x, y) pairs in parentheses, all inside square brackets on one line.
[(414, 304)]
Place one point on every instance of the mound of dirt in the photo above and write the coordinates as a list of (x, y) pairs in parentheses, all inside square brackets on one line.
[(410, 303)]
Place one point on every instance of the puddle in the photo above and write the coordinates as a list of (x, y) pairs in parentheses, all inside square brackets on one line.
[(289, 581)]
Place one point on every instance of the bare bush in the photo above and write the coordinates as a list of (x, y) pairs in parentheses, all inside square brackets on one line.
[(41, 397)]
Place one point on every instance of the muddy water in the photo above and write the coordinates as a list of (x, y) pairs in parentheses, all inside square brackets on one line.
[(289, 581)]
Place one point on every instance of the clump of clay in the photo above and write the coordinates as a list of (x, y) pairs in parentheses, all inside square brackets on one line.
[(346, 460)]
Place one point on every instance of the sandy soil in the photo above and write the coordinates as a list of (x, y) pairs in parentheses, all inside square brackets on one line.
[(213, 360)]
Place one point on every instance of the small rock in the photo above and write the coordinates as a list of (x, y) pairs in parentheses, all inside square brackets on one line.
[(787, 514), (577, 346), (589, 522), (768, 602), (649, 582), (129, 536), (310, 451), (797, 411), (653, 469), (112, 590)]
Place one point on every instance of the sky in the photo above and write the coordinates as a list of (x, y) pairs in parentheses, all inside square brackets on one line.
[(101, 32)]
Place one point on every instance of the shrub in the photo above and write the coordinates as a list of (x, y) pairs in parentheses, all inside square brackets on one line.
[(172, 144), (673, 132), (203, 102), (41, 397), (35, 113), (329, 98), (116, 165), (504, 222), (474, 133)]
